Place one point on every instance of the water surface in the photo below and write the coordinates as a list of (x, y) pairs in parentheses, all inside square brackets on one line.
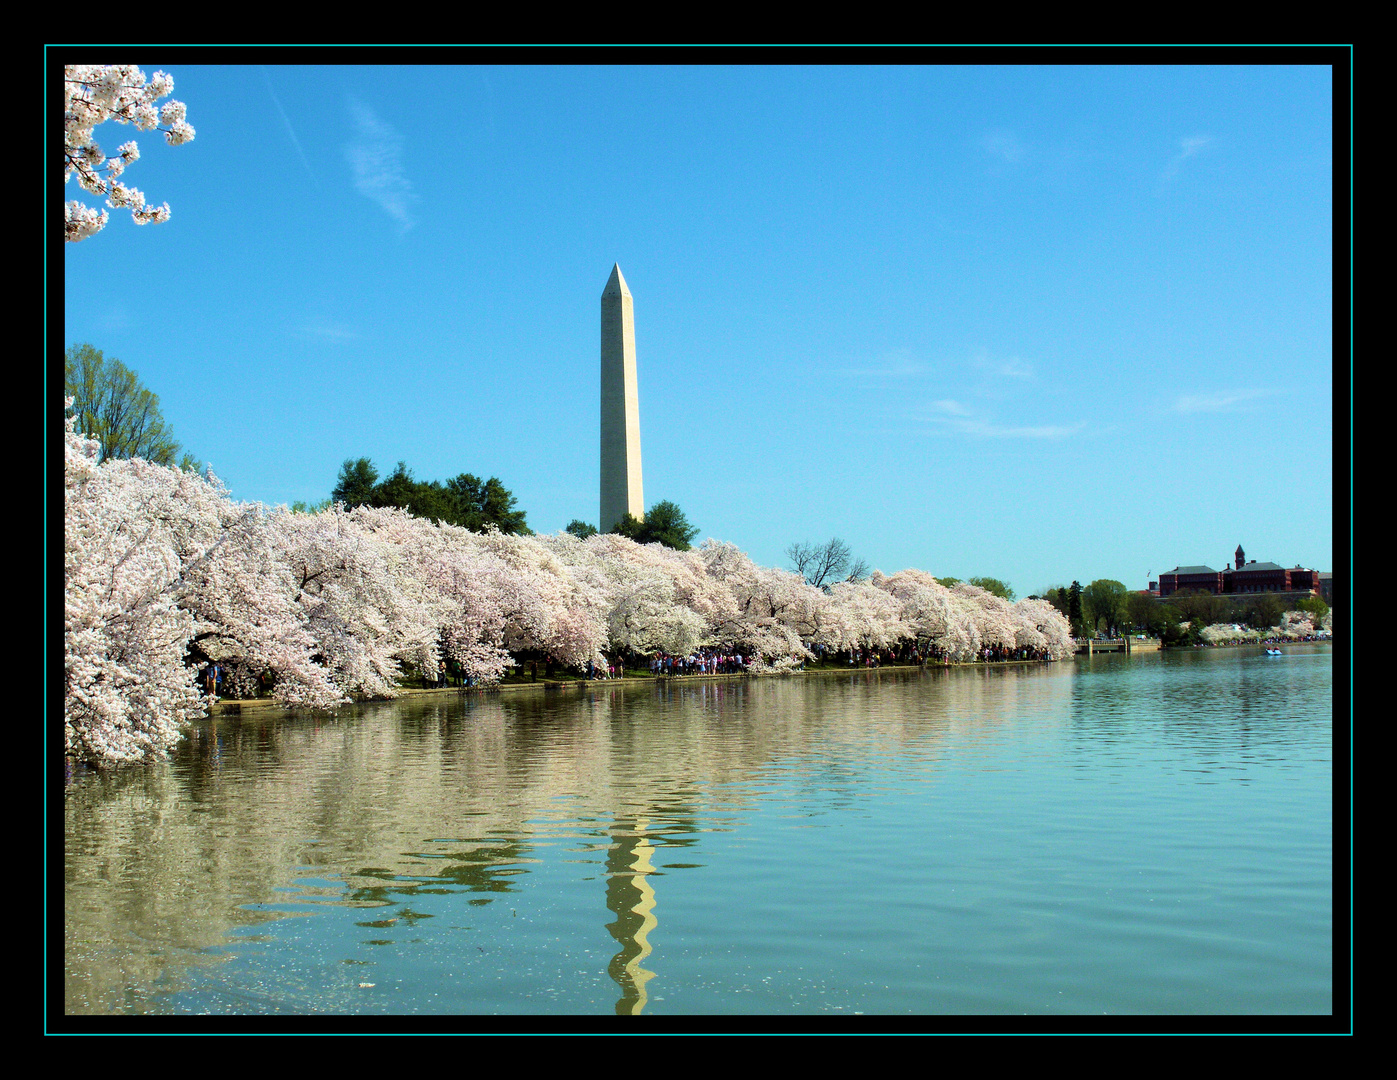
[(1112, 835)]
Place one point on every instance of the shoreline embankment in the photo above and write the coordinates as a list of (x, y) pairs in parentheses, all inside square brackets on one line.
[(234, 706)]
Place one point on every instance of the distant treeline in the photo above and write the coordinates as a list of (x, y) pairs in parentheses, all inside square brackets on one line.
[(1109, 606), (465, 500)]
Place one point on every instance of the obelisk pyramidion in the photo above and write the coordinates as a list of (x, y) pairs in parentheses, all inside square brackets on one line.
[(620, 407)]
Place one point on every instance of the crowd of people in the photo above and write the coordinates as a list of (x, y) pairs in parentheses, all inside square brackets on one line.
[(700, 662), (916, 654)]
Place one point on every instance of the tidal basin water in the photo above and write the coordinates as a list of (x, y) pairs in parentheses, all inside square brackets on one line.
[(1119, 835)]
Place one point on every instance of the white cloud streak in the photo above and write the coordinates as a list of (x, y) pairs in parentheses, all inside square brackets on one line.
[(290, 131), (1188, 147), (1003, 145), (961, 419), (326, 331), (375, 157), (1221, 400)]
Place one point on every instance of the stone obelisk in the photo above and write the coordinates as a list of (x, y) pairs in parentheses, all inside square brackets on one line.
[(620, 407)]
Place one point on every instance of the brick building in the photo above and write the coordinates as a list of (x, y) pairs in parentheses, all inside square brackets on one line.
[(1240, 578)]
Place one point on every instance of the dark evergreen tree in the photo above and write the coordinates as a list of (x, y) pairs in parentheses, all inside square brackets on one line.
[(664, 524), (466, 500), (1074, 606), (356, 483), (482, 503)]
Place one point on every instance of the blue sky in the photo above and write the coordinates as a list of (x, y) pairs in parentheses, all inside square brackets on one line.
[(1037, 323)]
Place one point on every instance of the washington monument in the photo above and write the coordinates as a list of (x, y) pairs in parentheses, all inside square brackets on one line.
[(620, 407)]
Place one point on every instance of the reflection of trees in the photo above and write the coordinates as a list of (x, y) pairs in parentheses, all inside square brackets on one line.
[(453, 794), (1188, 706), (485, 868)]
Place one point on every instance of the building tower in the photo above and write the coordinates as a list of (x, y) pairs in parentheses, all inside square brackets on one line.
[(620, 407), (1241, 557)]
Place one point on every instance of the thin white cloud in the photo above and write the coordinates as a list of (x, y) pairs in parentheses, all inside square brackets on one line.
[(903, 364), (1003, 145), (959, 418), (979, 384), (1221, 400), (117, 317), (375, 156), (1031, 431), (290, 131), (326, 331), (1013, 368), (1188, 148), (898, 364)]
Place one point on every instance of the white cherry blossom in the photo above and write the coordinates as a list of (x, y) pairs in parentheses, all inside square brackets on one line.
[(92, 95)]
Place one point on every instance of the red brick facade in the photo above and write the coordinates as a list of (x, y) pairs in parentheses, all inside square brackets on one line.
[(1243, 577)]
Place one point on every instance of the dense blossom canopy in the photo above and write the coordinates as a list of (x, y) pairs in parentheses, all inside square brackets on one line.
[(165, 575)]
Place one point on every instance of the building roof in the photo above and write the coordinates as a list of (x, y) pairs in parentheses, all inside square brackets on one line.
[(1191, 570), (1246, 568)]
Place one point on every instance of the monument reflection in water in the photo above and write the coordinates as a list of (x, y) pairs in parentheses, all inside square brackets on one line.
[(1126, 835), (629, 865)]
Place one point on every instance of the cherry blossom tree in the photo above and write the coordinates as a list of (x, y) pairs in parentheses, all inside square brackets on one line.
[(929, 611), (92, 95), (989, 615), (164, 573), (546, 609), (127, 691), (366, 612), (773, 613), (859, 615), (657, 598), (1041, 626)]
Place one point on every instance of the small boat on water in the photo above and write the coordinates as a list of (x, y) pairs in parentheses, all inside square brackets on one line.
[(1273, 652)]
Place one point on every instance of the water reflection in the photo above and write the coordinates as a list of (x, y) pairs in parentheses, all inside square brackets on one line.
[(389, 803), (630, 896), (481, 835)]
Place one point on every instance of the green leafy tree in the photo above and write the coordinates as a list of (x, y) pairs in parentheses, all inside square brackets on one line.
[(1104, 603), (1074, 607), (1141, 609), (630, 527), (418, 498), (356, 483), (1173, 631), (664, 524), (465, 500), (995, 587), (580, 529), (1198, 607), (1057, 596), (480, 504), (1263, 611), (947, 581), (1314, 607), (111, 406)]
